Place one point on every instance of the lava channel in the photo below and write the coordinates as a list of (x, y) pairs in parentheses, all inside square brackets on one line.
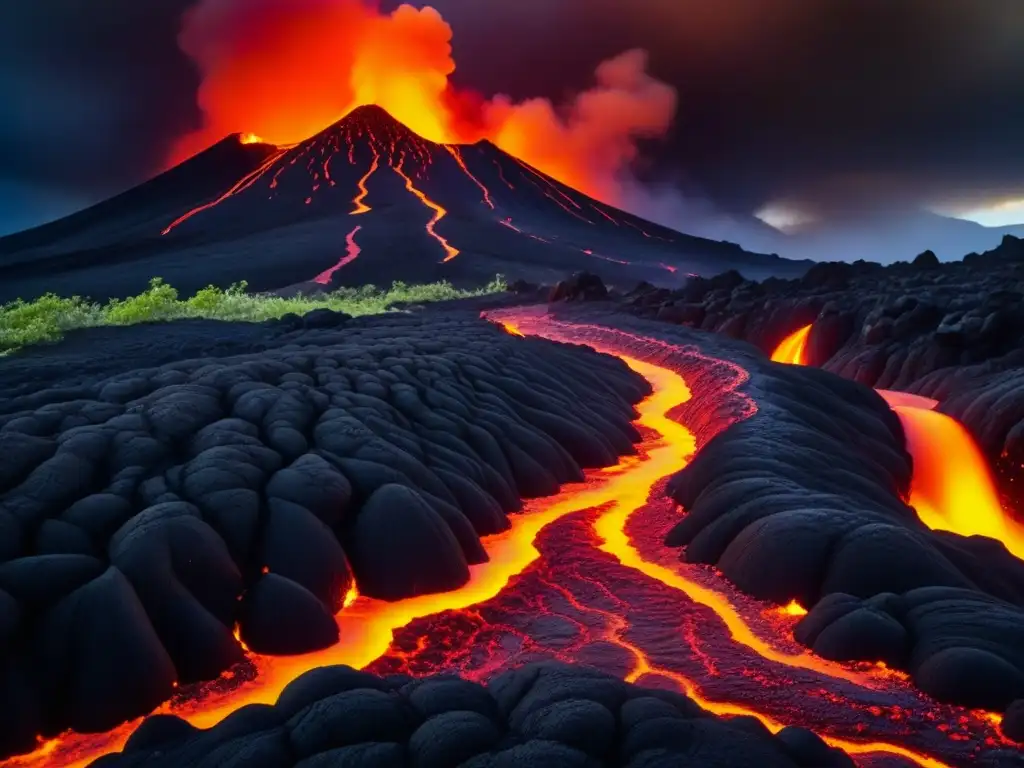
[(583, 576), (952, 488), (352, 251), (439, 213)]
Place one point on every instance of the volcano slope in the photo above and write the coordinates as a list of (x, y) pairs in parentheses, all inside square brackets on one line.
[(364, 201), (149, 493)]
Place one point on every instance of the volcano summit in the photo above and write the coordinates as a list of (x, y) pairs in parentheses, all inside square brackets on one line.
[(364, 201)]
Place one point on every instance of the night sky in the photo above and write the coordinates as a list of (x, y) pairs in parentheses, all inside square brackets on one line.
[(805, 107)]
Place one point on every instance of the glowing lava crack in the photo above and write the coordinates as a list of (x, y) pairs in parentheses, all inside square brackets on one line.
[(599, 584)]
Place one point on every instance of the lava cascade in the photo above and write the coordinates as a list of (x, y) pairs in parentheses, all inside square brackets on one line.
[(952, 488)]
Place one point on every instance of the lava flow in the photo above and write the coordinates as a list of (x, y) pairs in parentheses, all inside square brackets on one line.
[(952, 488), (240, 186), (439, 212), (352, 253), (583, 576)]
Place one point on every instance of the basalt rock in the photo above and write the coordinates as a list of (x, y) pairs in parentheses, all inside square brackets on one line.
[(803, 499), (543, 714), (583, 286), (943, 330), (169, 498)]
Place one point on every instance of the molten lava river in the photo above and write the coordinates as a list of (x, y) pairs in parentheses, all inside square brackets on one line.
[(583, 576)]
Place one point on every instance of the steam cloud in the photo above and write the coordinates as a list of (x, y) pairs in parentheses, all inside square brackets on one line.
[(286, 69)]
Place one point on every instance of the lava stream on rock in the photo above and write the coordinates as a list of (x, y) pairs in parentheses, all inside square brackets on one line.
[(583, 575), (952, 488)]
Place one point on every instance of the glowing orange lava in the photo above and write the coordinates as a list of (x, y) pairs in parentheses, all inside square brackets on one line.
[(362, 207), (952, 488), (439, 212), (285, 71), (793, 348), (367, 626), (243, 184), (457, 155), (250, 138), (352, 253), (793, 608)]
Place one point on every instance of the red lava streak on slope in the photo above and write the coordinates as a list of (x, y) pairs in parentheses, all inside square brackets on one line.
[(352, 252), (439, 212), (457, 156), (583, 576), (240, 186), (952, 488), (360, 206)]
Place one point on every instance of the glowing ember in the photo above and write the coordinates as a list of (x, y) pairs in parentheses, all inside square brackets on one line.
[(952, 488), (793, 608)]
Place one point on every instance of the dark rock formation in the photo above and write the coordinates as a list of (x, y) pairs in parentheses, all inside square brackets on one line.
[(943, 330), (540, 715), (583, 286), (147, 511)]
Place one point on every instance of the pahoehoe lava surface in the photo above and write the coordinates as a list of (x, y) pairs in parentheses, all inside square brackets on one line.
[(151, 518), (636, 615), (364, 201), (803, 501), (543, 714)]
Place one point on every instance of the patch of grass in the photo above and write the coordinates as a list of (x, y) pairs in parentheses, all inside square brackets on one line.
[(48, 317)]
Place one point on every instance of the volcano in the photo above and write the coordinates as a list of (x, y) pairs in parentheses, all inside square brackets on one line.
[(364, 201)]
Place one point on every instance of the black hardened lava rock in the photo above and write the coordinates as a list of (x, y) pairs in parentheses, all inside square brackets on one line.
[(147, 511), (803, 500), (541, 715), (949, 331)]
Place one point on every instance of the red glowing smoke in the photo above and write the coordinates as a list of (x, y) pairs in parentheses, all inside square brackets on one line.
[(285, 69)]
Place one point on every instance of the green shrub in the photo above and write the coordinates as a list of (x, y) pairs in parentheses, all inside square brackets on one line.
[(48, 317)]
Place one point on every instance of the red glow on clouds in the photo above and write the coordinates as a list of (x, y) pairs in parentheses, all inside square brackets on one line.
[(285, 69)]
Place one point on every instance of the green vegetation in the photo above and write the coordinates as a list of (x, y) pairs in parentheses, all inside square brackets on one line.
[(48, 317)]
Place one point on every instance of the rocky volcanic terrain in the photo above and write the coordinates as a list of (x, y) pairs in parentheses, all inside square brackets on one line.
[(138, 508), (539, 715), (950, 331), (177, 496)]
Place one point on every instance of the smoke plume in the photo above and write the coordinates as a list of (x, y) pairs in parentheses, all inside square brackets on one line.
[(285, 69)]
